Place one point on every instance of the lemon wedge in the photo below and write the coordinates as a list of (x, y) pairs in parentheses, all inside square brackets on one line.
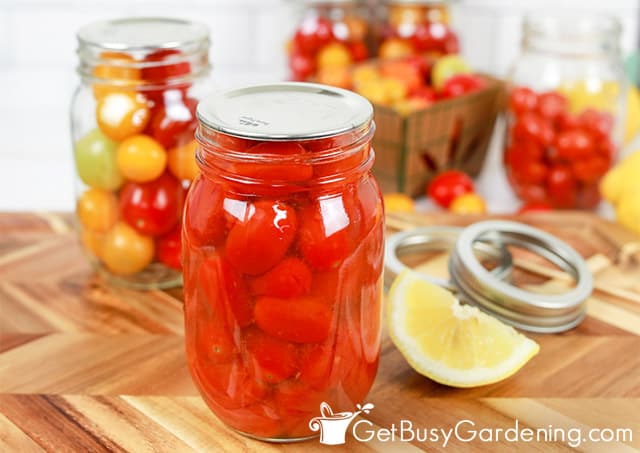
[(453, 344)]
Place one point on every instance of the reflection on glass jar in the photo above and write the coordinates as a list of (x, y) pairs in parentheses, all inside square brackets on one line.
[(416, 27), (133, 122), (283, 246), (331, 36), (566, 97)]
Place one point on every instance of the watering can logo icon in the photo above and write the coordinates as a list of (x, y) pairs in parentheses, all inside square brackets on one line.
[(333, 427)]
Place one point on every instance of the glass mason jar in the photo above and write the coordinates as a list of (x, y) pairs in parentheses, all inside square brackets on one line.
[(416, 27), (132, 125), (331, 36), (566, 99), (283, 246)]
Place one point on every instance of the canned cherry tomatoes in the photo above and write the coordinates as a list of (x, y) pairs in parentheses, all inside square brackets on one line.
[(282, 247), (133, 123)]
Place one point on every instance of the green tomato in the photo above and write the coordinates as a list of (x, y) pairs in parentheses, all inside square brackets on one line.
[(95, 156)]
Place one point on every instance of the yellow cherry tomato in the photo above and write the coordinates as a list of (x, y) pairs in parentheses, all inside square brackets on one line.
[(97, 210), (182, 161), (468, 203), (334, 55), (116, 71), (122, 114), (92, 242), (406, 14), (365, 74), (126, 252), (141, 158), (398, 202), (395, 90), (395, 48), (335, 76)]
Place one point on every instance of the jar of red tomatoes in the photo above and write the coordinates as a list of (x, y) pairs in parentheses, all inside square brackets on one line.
[(282, 248), (331, 36), (416, 27), (132, 125), (565, 104)]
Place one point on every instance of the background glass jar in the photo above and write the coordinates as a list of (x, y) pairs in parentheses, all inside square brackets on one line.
[(565, 106), (132, 125), (416, 27), (283, 246), (331, 36)]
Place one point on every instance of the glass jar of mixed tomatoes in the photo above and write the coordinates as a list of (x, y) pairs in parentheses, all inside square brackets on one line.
[(282, 247), (565, 105), (416, 27), (132, 123), (331, 36)]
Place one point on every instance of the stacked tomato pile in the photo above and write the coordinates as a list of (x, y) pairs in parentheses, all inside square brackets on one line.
[(282, 288), (417, 29), (320, 45), (554, 156), (137, 162)]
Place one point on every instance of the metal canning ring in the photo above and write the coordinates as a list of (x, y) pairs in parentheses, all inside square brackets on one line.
[(535, 312), (440, 238)]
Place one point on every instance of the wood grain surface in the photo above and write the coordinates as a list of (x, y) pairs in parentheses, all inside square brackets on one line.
[(86, 367)]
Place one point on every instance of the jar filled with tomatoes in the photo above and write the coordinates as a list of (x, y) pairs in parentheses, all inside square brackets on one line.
[(132, 123), (565, 105), (283, 246), (331, 36), (416, 27)]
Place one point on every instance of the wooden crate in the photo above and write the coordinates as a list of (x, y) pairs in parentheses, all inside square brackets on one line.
[(449, 134)]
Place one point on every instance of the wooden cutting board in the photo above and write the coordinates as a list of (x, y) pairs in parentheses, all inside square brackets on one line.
[(88, 367)]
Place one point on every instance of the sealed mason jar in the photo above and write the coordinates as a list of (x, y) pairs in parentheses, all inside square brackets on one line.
[(566, 99), (416, 27), (330, 36), (132, 125), (282, 247)]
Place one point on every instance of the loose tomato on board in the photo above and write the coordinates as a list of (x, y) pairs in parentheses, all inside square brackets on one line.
[(302, 320), (261, 239), (152, 208), (448, 185), (290, 278), (169, 247)]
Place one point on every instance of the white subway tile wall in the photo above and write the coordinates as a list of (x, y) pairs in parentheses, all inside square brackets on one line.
[(37, 68)]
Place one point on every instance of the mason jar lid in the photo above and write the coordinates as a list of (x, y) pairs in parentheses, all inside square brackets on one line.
[(142, 33), (285, 111)]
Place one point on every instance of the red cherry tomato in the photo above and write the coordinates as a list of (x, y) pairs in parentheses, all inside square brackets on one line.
[(552, 105), (290, 278), (531, 193), (460, 84), (588, 196), (316, 362), (358, 50), (301, 320), (261, 239), (302, 66), (206, 226), (525, 169), (573, 144), (173, 121), (533, 128), (435, 37), (169, 246), (598, 124), (535, 207), (590, 169), (425, 92), (521, 100), (561, 187), (313, 33), (324, 238), (163, 73), (273, 360), (152, 208), (449, 185)]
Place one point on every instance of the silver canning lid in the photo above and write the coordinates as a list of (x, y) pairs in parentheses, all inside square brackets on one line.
[(142, 33), (285, 111), (441, 238), (544, 313)]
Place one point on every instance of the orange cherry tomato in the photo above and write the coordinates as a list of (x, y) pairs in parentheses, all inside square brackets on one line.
[(122, 114), (119, 71), (92, 242), (300, 320), (97, 210), (141, 158), (182, 161), (261, 239), (468, 203), (126, 252)]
